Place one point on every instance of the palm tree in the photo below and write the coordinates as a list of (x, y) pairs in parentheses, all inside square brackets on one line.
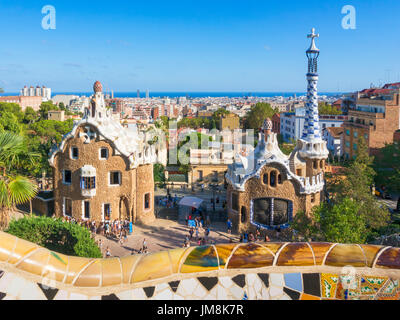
[(14, 188)]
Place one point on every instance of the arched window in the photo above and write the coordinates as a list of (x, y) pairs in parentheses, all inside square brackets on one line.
[(279, 179), (273, 179), (315, 164), (243, 214), (265, 178)]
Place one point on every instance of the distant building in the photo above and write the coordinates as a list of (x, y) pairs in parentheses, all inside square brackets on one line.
[(24, 102), (334, 142), (375, 116), (292, 123), (57, 115), (229, 121), (64, 98), (43, 92)]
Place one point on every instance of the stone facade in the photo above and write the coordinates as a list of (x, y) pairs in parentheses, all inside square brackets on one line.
[(102, 171)]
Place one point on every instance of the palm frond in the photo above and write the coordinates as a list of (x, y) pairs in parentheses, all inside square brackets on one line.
[(21, 190)]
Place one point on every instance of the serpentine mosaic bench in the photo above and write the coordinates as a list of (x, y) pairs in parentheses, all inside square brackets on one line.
[(226, 271)]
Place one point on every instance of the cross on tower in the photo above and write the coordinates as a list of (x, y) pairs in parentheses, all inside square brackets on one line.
[(313, 34)]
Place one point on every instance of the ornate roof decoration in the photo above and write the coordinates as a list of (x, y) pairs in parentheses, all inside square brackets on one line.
[(129, 143)]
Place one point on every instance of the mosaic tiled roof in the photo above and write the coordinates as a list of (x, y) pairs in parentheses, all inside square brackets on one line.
[(84, 272)]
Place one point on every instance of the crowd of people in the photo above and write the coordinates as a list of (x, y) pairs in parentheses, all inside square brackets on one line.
[(116, 230)]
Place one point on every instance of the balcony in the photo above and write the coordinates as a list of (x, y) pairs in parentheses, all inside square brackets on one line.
[(88, 181)]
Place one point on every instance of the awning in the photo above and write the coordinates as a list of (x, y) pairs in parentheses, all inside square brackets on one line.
[(191, 202)]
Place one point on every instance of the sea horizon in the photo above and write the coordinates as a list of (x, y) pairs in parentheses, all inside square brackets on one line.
[(192, 94)]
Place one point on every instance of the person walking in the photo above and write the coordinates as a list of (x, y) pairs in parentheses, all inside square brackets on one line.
[(108, 253), (229, 225)]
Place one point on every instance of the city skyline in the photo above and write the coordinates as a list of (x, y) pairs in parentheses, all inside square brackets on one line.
[(187, 47)]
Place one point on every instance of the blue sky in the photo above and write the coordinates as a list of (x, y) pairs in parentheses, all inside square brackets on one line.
[(197, 45)]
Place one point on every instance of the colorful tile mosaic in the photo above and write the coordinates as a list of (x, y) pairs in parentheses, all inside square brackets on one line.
[(233, 271)]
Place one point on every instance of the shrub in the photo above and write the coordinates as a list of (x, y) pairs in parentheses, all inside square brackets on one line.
[(56, 235)]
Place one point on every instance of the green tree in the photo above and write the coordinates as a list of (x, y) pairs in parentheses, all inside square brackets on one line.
[(14, 189), (258, 113), (45, 107), (388, 168), (357, 186), (56, 235), (9, 122), (327, 109), (30, 115), (339, 222), (158, 170)]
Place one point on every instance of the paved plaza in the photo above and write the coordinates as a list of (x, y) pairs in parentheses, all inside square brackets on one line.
[(162, 235)]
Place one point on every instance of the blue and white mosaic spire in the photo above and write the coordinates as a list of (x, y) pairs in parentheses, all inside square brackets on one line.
[(311, 124)]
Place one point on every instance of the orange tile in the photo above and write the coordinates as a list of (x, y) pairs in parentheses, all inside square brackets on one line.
[(128, 263), (152, 266), (111, 272), (370, 252), (296, 254), (75, 265), (224, 251), (346, 255), (56, 267), (175, 258), (22, 249), (390, 258), (305, 296), (320, 249), (91, 276), (7, 245), (36, 262), (251, 256)]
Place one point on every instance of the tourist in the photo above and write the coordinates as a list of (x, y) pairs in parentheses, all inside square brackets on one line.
[(229, 225), (258, 234), (144, 247), (267, 239), (108, 253), (251, 237), (191, 231)]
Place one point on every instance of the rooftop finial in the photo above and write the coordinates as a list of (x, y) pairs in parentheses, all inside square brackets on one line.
[(313, 35)]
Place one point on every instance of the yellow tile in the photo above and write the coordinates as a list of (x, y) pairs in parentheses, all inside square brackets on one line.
[(175, 258), (111, 270), (320, 249), (127, 264), (251, 256), (224, 251), (56, 267), (36, 262), (274, 247), (370, 252), (22, 249), (7, 242), (91, 276), (296, 254), (75, 265), (152, 266), (346, 255), (200, 259)]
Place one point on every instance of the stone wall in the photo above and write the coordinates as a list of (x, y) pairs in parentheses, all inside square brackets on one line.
[(285, 271), (123, 198)]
